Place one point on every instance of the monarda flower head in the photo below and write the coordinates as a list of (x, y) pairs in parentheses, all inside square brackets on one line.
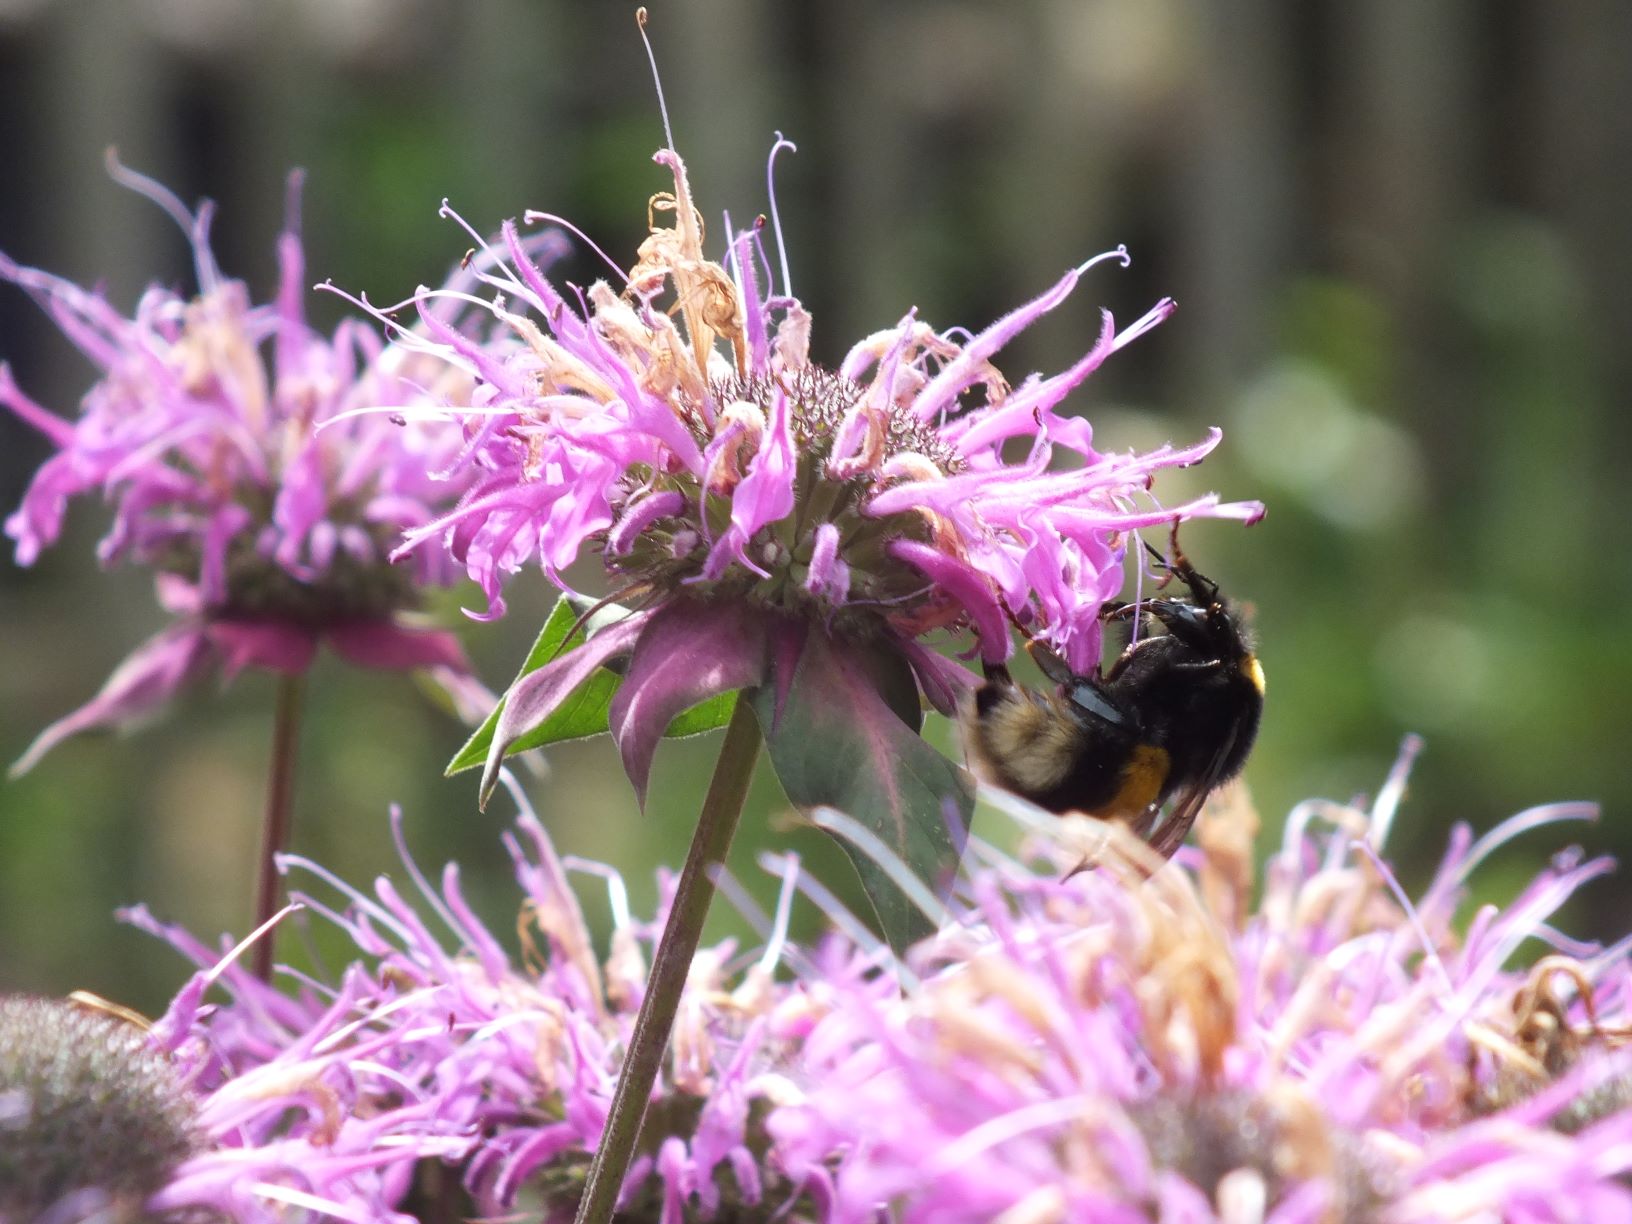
[(780, 528), (436, 1044), (1172, 1042), (1138, 1042), (220, 431)]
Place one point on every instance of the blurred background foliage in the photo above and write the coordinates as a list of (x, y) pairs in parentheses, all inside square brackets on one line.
[(1397, 232)]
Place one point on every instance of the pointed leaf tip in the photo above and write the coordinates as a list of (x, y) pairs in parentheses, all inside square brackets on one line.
[(559, 693), (846, 739)]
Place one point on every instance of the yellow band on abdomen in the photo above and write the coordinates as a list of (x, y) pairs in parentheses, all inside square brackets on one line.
[(1141, 784)]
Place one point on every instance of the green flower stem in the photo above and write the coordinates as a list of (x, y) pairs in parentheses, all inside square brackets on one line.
[(722, 809), (280, 791)]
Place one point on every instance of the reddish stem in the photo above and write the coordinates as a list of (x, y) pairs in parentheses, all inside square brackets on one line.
[(279, 819)]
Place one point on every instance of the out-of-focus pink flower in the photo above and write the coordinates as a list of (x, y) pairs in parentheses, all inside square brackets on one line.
[(1139, 1042), (435, 1043), (225, 437)]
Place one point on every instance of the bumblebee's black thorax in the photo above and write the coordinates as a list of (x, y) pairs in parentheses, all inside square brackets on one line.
[(1195, 691)]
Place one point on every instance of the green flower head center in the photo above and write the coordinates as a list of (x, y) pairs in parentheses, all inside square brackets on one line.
[(349, 587), (86, 1107)]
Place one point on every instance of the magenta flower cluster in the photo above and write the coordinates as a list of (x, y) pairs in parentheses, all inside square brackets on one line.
[(616, 428), (759, 509), (1106, 1049), (1102, 1048), (437, 1043), (228, 437)]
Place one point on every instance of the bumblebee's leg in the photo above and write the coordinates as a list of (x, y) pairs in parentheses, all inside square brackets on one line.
[(1165, 564), (1202, 589), (1049, 662), (1205, 665)]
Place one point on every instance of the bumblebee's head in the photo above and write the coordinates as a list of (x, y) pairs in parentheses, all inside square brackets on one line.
[(1205, 622), (1209, 625)]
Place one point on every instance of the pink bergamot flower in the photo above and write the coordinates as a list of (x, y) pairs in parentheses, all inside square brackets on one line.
[(777, 528), (223, 432)]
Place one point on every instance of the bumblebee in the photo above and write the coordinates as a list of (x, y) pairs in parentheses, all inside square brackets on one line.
[(1172, 717)]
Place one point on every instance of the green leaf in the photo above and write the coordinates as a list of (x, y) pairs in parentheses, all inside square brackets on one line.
[(704, 716), (582, 714), (842, 740)]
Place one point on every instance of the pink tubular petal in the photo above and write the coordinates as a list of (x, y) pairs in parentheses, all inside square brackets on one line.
[(557, 313), (1072, 519), (95, 327), (969, 587), (689, 651), (38, 520), (763, 496), (277, 646), (291, 336), (59, 431), (302, 503), (1019, 414), (952, 381), (391, 647), (638, 516), (143, 682), (829, 577), (743, 249), (766, 492)]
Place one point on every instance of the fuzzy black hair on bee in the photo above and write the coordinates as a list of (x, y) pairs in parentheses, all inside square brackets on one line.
[(1171, 718)]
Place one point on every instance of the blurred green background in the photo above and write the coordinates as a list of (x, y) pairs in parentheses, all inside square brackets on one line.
[(1397, 232)]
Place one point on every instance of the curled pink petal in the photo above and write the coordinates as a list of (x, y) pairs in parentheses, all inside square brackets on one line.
[(143, 682)]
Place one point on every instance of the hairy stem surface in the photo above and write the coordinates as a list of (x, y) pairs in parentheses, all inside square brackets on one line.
[(722, 809)]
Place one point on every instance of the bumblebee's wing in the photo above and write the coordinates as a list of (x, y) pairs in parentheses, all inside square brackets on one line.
[(1187, 806)]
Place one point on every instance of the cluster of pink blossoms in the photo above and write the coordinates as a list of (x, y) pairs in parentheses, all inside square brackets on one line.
[(1131, 1042), (224, 434), (1103, 1048), (675, 423)]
